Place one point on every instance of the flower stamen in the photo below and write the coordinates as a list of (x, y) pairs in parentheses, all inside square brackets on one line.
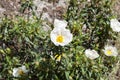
[(21, 72), (60, 39), (109, 52)]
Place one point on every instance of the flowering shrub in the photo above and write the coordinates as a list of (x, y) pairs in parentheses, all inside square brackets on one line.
[(17, 72), (76, 48), (60, 35)]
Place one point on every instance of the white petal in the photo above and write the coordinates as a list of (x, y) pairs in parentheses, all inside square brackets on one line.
[(115, 51), (115, 25), (92, 54), (24, 69), (68, 37), (54, 33), (15, 72), (88, 0), (60, 23)]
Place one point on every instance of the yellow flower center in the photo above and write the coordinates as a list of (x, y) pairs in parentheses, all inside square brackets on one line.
[(109, 52), (60, 38), (21, 72)]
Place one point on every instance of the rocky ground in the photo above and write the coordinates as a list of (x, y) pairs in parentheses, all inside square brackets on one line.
[(116, 8), (47, 8)]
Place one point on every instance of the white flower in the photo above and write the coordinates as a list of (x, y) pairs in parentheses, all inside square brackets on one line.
[(115, 25), (110, 51), (17, 72), (88, 0), (60, 35), (92, 54)]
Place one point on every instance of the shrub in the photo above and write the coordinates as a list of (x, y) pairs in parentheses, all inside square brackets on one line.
[(25, 42)]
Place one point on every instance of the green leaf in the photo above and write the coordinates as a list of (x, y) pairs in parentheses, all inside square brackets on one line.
[(67, 75)]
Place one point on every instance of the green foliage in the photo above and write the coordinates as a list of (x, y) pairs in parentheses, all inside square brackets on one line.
[(96, 16), (25, 42), (26, 4)]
